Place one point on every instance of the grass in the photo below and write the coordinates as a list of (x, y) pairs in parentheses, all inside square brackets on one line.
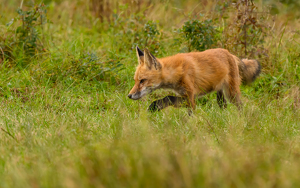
[(64, 125)]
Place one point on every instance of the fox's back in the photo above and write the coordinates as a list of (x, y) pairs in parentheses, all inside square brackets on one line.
[(212, 56)]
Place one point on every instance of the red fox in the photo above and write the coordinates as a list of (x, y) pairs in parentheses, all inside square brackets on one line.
[(193, 74)]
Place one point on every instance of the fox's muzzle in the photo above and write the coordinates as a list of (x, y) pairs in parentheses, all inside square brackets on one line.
[(135, 96), (139, 94)]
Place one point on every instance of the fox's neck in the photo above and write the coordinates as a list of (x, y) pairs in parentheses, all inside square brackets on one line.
[(171, 74)]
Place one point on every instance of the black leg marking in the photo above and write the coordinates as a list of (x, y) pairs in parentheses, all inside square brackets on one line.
[(221, 99), (165, 102)]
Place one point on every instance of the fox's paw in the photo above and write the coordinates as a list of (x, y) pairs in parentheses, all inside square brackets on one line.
[(153, 107)]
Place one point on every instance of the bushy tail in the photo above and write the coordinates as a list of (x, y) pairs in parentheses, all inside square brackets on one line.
[(249, 69)]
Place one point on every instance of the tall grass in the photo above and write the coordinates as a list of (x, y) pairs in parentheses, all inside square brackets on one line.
[(66, 121)]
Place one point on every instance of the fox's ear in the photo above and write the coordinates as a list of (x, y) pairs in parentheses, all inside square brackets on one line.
[(139, 54), (150, 60)]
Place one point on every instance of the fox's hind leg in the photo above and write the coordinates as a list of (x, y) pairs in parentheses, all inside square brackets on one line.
[(236, 100), (221, 99), (165, 102), (234, 97)]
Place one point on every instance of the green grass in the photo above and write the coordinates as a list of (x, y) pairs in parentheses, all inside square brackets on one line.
[(64, 125)]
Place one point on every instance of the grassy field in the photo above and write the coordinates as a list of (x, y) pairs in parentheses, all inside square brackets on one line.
[(66, 121)]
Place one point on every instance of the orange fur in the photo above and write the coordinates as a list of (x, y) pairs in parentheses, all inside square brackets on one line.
[(195, 73)]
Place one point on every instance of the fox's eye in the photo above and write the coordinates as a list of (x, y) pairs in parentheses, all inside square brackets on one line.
[(142, 81)]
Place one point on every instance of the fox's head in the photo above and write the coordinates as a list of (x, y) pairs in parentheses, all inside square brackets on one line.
[(148, 76)]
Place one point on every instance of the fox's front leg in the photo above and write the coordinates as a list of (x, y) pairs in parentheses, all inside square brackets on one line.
[(191, 100), (191, 103), (165, 102)]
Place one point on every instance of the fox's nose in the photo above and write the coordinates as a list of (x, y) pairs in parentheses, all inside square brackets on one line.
[(130, 95)]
